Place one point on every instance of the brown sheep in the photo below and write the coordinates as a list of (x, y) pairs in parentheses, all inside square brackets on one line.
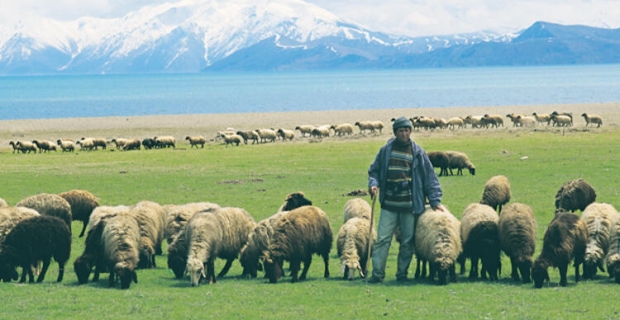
[(517, 235), (496, 192), (439, 159), (574, 195), (82, 204)]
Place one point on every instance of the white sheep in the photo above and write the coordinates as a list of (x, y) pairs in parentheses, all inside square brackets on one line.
[(132, 144), (66, 145), (480, 237), (352, 246), (456, 122), (121, 242), (494, 120), (593, 119), (377, 126), (496, 192), (26, 146), (165, 142), (459, 160), (86, 144), (49, 204), (474, 121), (178, 215), (45, 146), (562, 120), (231, 139), (365, 126), (286, 134), (10, 216), (218, 234), (266, 135), (526, 121), (305, 129), (196, 141), (249, 135), (612, 260), (542, 118), (119, 142), (342, 129), (97, 142), (320, 132), (598, 218), (151, 220), (438, 242), (356, 208), (517, 236)]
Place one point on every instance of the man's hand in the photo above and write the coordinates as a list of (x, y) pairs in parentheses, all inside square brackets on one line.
[(439, 207), (374, 191)]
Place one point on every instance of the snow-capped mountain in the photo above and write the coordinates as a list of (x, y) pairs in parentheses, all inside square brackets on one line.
[(191, 36)]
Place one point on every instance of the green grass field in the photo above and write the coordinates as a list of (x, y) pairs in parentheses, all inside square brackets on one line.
[(258, 178)]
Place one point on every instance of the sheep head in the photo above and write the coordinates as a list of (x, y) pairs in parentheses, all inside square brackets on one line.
[(273, 269), (7, 272), (540, 273), (82, 267), (196, 270)]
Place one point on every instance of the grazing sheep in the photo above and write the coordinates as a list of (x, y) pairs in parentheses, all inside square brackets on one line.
[(102, 213), (454, 123), (165, 142), (86, 144), (517, 236), (561, 121), (151, 220), (178, 215), (92, 256), (248, 135), (593, 119), (612, 260), (50, 205), (496, 192), (82, 204), (565, 240), (598, 217), (218, 234), (231, 139), (365, 126), (286, 134), (133, 144), (121, 240), (574, 195), (352, 246), (305, 129), (480, 238), (39, 238), (196, 141), (542, 118), (66, 145), (438, 242), (459, 160), (266, 135), (297, 235), (342, 129), (356, 208), (148, 143), (440, 160), (177, 254), (119, 142)]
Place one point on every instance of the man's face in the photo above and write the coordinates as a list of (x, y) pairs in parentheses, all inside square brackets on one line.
[(403, 134)]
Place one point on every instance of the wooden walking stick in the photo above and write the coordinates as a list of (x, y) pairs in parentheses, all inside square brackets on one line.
[(372, 221)]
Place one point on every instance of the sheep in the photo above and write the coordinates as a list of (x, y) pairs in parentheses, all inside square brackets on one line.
[(513, 118), (352, 246), (440, 123), (320, 132), (377, 126), (593, 119), (612, 260), (44, 145), (496, 192), (120, 238), (474, 121), (66, 145), (148, 143), (97, 142), (365, 126), (295, 200), (305, 129), (565, 240), (459, 160), (165, 142), (542, 118), (454, 123), (598, 217), (10, 216), (133, 144), (82, 204), (39, 238), (567, 114), (297, 235), (356, 208), (49, 204), (342, 129), (195, 141), (517, 237), (266, 135), (119, 142), (426, 123), (231, 139), (102, 213), (151, 220), (438, 242), (178, 215), (177, 254), (439, 159), (15, 147), (209, 235), (286, 134), (574, 195), (494, 120), (480, 239), (525, 121), (248, 135), (86, 144), (562, 121)]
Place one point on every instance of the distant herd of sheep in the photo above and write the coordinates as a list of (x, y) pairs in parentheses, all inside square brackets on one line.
[(264, 135), (121, 239)]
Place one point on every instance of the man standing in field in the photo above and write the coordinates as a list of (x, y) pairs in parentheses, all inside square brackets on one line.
[(403, 177)]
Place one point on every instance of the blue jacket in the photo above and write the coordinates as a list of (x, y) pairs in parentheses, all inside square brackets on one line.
[(424, 180)]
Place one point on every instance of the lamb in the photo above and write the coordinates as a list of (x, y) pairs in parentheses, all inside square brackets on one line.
[(305, 129), (195, 141), (151, 220), (496, 192), (438, 242), (542, 118), (86, 144), (120, 238), (574, 195), (517, 236), (66, 145), (266, 135), (286, 134), (165, 142), (480, 238), (209, 235), (593, 119), (119, 142), (598, 217), (231, 139), (565, 240), (97, 142), (248, 135), (365, 126), (342, 129), (612, 260), (39, 238), (49, 204), (352, 246), (439, 159), (356, 208), (459, 160), (454, 123), (297, 235), (133, 144), (82, 204), (178, 215)]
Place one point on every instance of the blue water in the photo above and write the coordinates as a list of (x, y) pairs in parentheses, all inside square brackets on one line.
[(134, 95)]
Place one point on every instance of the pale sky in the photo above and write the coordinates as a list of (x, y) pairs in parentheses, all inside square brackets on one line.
[(405, 17)]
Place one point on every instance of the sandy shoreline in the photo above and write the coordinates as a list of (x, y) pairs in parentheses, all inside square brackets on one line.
[(209, 124)]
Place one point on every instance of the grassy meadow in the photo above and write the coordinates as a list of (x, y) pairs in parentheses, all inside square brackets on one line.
[(259, 177)]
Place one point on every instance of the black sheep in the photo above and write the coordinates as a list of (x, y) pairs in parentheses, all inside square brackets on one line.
[(148, 143), (440, 160), (92, 256), (35, 239)]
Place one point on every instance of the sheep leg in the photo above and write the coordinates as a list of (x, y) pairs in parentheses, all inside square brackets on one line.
[(326, 262), (84, 223), (306, 267), (226, 268), (61, 271), (294, 266), (112, 278), (211, 271), (417, 268), (473, 272), (27, 270), (453, 277), (563, 270), (577, 272), (46, 264), (515, 273)]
